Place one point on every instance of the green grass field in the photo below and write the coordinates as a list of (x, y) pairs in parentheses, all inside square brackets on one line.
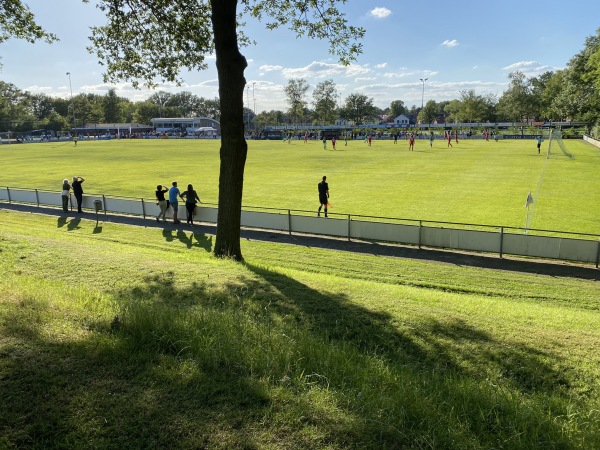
[(475, 182), (129, 337)]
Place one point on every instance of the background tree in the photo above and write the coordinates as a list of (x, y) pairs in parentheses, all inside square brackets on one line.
[(325, 98), (160, 98), (186, 103), (539, 94), (475, 108), (145, 111), (580, 95), (452, 109), (429, 113), (359, 109), (113, 107), (397, 108), (516, 103), (295, 91)]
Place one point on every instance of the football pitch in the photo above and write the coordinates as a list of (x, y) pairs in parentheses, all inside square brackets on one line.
[(475, 181)]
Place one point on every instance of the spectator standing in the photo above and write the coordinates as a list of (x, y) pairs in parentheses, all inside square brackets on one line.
[(66, 189), (191, 198), (78, 191), (174, 195), (162, 202)]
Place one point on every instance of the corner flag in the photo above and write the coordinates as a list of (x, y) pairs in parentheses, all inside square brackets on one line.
[(529, 200)]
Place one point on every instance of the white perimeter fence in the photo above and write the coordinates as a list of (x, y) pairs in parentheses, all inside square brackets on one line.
[(591, 140), (535, 243)]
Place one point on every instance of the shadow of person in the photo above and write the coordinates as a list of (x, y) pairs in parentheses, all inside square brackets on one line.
[(168, 235), (97, 229), (203, 241), (185, 239), (74, 224), (61, 222)]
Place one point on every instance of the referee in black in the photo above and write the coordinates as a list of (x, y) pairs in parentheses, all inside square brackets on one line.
[(323, 195)]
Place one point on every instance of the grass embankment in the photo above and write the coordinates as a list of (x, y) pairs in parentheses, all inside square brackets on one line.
[(474, 182), (125, 337)]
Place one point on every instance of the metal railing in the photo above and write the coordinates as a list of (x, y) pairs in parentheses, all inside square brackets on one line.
[(502, 240)]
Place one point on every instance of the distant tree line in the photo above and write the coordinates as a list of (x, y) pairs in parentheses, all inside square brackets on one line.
[(24, 111)]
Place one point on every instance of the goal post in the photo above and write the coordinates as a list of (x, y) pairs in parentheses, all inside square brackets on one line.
[(555, 140)]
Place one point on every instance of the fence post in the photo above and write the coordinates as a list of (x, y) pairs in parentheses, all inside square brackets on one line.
[(420, 227), (598, 255), (104, 203), (349, 219), (501, 240), (37, 198), (143, 208), (289, 222), (8, 192)]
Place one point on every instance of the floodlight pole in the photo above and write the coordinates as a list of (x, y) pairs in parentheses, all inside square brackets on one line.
[(248, 103), (254, 100), (423, 80), (72, 102)]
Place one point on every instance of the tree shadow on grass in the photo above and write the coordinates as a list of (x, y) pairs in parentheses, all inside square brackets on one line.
[(452, 345), (118, 386), (101, 390)]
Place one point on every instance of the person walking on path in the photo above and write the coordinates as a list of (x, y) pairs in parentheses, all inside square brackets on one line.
[(191, 198), (78, 191), (161, 201), (174, 195), (66, 189), (323, 196)]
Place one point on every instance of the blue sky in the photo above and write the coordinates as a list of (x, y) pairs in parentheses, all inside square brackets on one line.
[(456, 45)]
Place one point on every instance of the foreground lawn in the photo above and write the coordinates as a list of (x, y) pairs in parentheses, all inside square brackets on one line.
[(474, 182), (126, 337)]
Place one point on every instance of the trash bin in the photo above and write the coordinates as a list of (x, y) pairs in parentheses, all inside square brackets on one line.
[(98, 205)]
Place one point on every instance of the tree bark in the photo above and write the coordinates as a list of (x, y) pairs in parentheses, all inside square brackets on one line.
[(230, 68)]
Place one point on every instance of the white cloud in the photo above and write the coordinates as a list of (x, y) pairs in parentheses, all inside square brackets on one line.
[(380, 12), (398, 75), (381, 66), (529, 68), (268, 68), (450, 44), (319, 69), (359, 79)]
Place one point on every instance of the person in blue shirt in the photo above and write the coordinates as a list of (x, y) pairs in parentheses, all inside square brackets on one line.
[(174, 196)]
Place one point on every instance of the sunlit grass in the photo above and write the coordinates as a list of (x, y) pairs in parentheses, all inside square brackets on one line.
[(474, 182)]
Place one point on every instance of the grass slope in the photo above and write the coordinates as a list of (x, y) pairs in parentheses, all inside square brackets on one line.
[(474, 182), (125, 337)]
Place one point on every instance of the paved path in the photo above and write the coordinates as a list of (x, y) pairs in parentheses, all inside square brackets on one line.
[(513, 264)]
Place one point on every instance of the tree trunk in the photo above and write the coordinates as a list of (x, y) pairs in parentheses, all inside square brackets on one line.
[(230, 68)]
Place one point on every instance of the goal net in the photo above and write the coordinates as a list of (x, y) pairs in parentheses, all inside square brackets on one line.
[(556, 146)]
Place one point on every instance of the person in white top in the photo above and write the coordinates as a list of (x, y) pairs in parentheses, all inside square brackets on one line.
[(65, 194)]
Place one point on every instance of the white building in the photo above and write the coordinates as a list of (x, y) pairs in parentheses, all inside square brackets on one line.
[(402, 121), (204, 125)]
